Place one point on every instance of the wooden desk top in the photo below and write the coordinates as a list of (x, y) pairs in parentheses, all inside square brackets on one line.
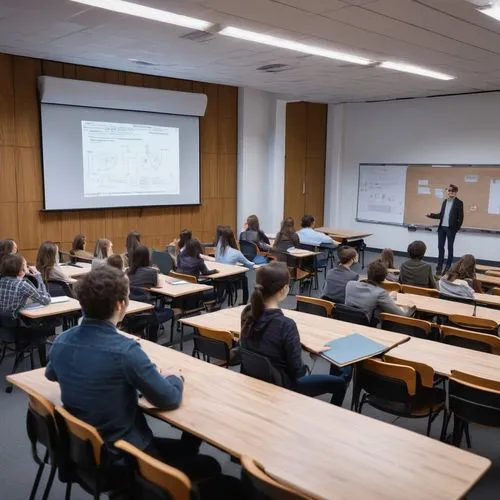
[(178, 290), (344, 234), (321, 449), (314, 331), (225, 270), (75, 272), (483, 268), (444, 358), (72, 305), (300, 253), (489, 279), (446, 307), (486, 298)]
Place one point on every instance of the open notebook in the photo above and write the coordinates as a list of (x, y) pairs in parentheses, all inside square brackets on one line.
[(352, 348), (53, 300)]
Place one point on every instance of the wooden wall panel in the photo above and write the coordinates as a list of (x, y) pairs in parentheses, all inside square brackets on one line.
[(21, 190)]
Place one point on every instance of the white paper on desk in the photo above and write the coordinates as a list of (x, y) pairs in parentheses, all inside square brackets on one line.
[(423, 182), (57, 300), (178, 282), (424, 190)]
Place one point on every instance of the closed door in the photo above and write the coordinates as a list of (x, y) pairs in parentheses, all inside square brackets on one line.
[(305, 154)]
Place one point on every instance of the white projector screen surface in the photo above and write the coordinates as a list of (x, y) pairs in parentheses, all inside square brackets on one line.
[(105, 158)]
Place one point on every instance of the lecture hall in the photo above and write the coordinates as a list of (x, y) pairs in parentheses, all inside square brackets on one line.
[(250, 250)]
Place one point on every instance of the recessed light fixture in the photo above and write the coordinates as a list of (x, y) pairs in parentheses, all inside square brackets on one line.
[(492, 11), (138, 10), (416, 70), (274, 41)]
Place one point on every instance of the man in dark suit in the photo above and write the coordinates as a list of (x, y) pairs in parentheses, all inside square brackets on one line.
[(450, 218)]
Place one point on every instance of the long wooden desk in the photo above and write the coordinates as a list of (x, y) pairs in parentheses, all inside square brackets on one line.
[(488, 279), (71, 271), (179, 290), (343, 234), (325, 451), (482, 268), (72, 305), (446, 307), (225, 270), (314, 331)]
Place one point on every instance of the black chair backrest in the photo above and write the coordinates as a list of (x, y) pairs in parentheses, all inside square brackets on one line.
[(211, 347), (350, 314), (163, 260), (57, 288), (248, 249), (41, 429), (476, 345), (307, 307), (8, 329), (463, 300), (474, 405), (411, 330), (141, 295), (144, 324), (258, 366)]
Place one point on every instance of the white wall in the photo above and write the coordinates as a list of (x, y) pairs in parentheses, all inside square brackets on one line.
[(458, 129), (261, 157)]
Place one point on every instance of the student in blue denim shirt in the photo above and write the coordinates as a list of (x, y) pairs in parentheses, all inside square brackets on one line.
[(102, 372)]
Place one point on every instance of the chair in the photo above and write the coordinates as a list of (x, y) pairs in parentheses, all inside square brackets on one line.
[(407, 326), (163, 260), (452, 298), (319, 262), (249, 249), (85, 459), (495, 291), (399, 387), (350, 314), (492, 272), (265, 485), (41, 428), (418, 290), (468, 339), (155, 480), (304, 278), (472, 399), (312, 305), (58, 288), (474, 323), (218, 344), (258, 366), (391, 286)]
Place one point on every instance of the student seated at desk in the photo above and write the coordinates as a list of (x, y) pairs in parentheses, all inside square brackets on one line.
[(370, 297), (132, 242), (254, 234), (461, 281), (286, 238), (101, 374), (78, 247), (103, 249), (309, 236), (7, 247), (227, 252), (387, 258), (46, 263), (338, 277), (190, 261), (116, 261), (267, 331), (140, 272), (415, 271), (15, 290)]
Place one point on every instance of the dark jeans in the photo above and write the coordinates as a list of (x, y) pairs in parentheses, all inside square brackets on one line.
[(445, 233), (336, 383), (203, 470), (244, 287)]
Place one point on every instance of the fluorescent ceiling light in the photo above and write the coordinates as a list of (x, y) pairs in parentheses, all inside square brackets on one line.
[(138, 10), (416, 70), (274, 41), (492, 11)]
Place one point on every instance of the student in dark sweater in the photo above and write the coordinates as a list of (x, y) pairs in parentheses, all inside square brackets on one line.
[(140, 272), (415, 271), (338, 277), (189, 261), (267, 331), (254, 234)]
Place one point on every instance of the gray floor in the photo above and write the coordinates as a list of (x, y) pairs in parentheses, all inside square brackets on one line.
[(17, 469)]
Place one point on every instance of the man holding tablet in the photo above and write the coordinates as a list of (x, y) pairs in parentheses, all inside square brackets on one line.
[(450, 218)]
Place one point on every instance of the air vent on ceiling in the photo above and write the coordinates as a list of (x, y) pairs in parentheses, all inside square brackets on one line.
[(274, 68), (198, 36)]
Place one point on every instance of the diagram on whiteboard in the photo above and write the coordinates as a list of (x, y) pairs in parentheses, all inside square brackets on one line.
[(129, 159), (381, 195)]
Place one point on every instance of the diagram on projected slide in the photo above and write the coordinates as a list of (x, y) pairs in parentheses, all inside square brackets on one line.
[(121, 159)]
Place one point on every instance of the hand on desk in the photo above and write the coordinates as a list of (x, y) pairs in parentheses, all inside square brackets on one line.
[(172, 371)]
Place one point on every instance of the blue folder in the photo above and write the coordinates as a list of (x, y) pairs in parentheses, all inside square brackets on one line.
[(353, 348)]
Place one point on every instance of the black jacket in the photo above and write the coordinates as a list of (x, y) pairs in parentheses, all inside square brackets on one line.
[(456, 215)]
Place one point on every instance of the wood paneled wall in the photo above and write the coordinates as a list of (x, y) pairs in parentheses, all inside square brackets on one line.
[(21, 190), (305, 156)]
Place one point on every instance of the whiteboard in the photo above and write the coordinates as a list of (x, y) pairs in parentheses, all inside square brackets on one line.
[(381, 193)]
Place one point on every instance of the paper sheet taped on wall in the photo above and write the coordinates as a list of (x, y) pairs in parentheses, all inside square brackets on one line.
[(423, 182), (494, 201), (471, 178), (439, 193), (424, 190)]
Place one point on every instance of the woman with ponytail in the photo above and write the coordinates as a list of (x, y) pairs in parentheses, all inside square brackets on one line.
[(268, 332)]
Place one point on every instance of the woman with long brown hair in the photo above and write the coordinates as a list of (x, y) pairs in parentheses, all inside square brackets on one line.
[(461, 280), (47, 263), (78, 247), (254, 234), (268, 332), (103, 249)]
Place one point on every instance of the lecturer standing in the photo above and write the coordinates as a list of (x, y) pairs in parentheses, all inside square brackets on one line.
[(450, 218)]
